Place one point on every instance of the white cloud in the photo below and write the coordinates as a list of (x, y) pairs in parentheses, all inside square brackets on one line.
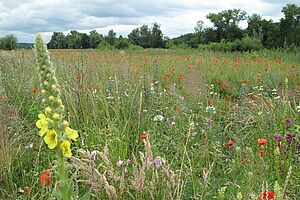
[(26, 17)]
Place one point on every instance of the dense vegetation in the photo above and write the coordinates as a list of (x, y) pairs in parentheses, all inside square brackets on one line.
[(259, 33), (8, 42), (154, 124)]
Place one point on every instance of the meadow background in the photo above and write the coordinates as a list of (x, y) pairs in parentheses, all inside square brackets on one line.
[(213, 114), (180, 107)]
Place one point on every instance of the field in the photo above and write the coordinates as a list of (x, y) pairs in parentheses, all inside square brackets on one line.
[(156, 124)]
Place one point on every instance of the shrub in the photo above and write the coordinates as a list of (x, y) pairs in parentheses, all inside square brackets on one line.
[(246, 44), (8, 42), (121, 44)]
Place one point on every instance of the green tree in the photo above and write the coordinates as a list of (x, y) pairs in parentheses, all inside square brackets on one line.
[(73, 40), (9, 42), (95, 39), (121, 43), (156, 37), (254, 26), (145, 36), (200, 32), (111, 37), (57, 41), (227, 22), (85, 41), (134, 36), (290, 25)]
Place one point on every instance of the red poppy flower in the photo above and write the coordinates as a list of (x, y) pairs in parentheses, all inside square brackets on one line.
[(261, 142), (297, 75), (180, 77), (209, 101), (267, 195), (45, 178), (143, 137), (168, 74), (258, 78), (230, 143), (223, 85), (34, 89)]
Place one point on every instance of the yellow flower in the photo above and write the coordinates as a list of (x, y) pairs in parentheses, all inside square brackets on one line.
[(42, 124), (71, 134), (66, 148), (51, 139)]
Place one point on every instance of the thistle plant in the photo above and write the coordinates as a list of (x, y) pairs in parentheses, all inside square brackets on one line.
[(52, 127)]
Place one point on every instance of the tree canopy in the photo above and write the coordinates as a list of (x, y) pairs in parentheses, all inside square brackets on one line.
[(226, 28)]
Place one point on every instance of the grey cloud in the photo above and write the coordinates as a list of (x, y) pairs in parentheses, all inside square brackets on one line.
[(29, 16)]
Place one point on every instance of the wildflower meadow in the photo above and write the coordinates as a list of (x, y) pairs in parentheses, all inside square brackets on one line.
[(149, 124)]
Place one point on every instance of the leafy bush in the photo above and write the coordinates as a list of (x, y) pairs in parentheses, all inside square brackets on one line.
[(246, 44), (105, 46), (122, 44), (8, 42), (134, 47), (172, 45)]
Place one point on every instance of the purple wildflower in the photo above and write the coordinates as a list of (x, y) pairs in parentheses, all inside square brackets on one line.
[(288, 122), (94, 155), (208, 120), (128, 161), (119, 163), (289, 137), (158, 161), (194, 134), (181, 97), (278, 137)]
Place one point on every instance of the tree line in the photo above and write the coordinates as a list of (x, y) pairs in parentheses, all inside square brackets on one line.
[(225, 34)]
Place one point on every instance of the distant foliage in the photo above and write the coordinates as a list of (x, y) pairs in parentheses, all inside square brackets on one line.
[(9, 42), (225, 35), (147, 37), (245, 44)]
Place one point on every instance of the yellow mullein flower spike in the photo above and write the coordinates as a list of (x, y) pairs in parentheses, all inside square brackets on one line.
[(66, 148), (71, 134), (42, 124), (51, 139)]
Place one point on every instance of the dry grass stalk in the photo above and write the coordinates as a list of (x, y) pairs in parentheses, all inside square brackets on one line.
[(148, 173)]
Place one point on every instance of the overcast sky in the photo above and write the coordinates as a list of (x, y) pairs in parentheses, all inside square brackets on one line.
[(26, 17)]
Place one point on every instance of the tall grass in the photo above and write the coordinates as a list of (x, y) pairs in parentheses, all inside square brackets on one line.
[(133, 106)]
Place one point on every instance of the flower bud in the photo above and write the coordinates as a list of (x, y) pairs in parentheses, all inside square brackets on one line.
[(51, 98), (66, 124), (55, 116), (48, 110), (53, 87), (59, 102), (46, 83)]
